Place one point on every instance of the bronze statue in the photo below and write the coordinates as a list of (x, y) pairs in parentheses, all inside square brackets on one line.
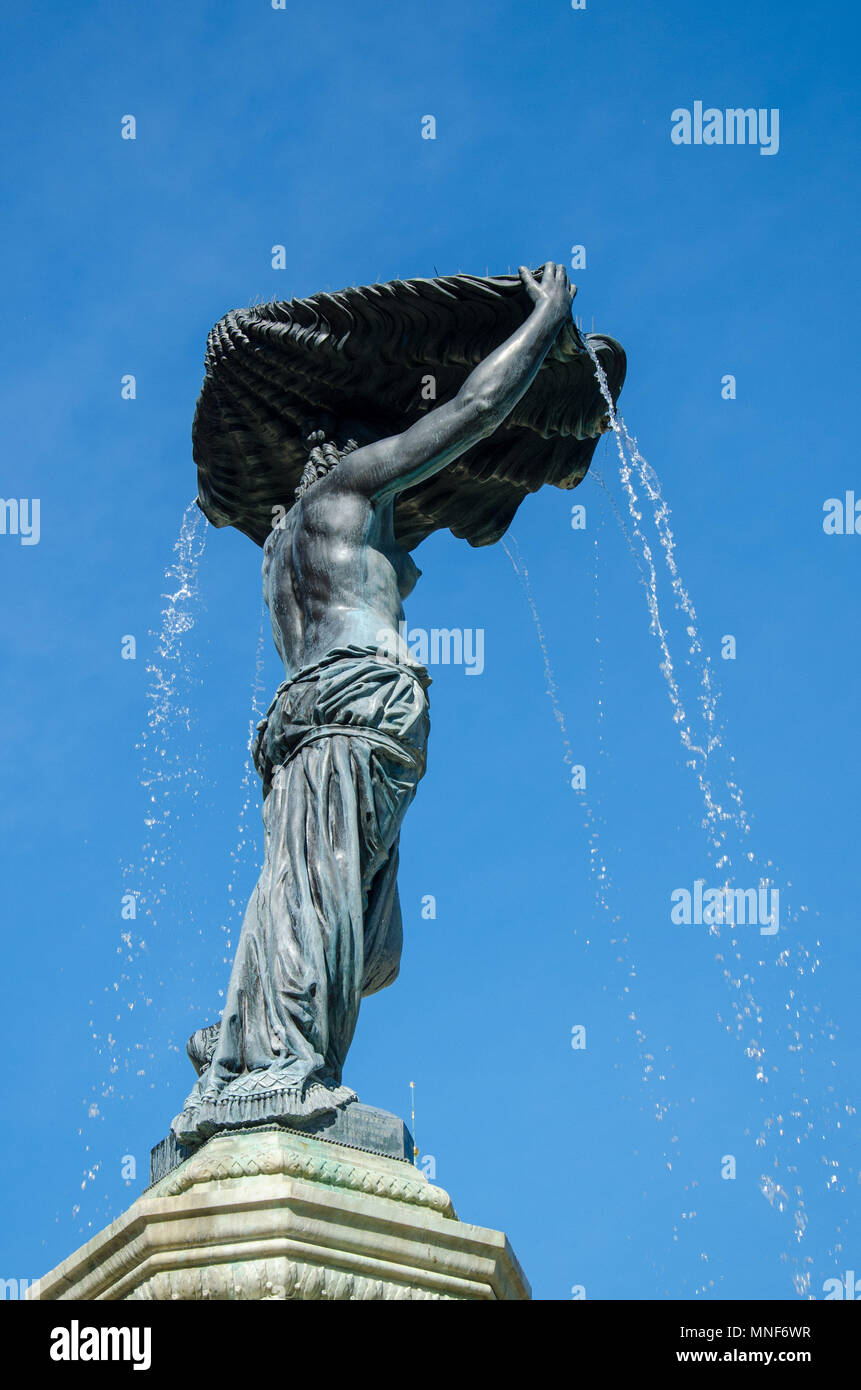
[(343, 746)]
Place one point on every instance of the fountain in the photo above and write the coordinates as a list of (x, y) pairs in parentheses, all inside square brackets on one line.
[(337, 432)]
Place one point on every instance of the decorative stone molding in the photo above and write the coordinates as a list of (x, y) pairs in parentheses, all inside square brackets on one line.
[(281, 1280), (273, 1214), (270, 1154)]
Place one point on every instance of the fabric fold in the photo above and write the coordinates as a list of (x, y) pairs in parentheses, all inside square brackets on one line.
[(340, 753)]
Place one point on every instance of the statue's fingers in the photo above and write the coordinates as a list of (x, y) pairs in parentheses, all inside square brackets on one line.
[(530, 284)]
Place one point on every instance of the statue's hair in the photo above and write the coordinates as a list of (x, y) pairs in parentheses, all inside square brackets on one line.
[(324, 456)]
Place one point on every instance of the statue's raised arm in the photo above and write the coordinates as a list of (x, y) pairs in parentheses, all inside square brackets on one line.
[(488, 395)]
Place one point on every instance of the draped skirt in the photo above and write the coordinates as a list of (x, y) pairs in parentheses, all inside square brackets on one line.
[(341, 752)]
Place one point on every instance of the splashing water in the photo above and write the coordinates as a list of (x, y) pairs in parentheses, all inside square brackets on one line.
[(512, 550), (652, 1072), (249, 791), (698, 747), (165, 773), (597, 866), (728, 829)]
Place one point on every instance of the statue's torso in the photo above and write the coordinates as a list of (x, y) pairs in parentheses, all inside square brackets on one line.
[(334, 576)]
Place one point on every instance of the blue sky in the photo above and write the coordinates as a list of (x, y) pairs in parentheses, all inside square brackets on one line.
[(258, 127)]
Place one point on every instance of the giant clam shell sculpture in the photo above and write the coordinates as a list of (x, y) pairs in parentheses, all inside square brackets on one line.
[(369, 361)]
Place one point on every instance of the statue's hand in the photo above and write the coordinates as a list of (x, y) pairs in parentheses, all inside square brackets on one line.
[(552, 293)]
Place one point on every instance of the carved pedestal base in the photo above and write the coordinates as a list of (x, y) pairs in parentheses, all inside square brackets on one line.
[(273, 1214)]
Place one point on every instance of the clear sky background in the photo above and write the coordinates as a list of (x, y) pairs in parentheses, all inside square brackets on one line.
[(302, 127)]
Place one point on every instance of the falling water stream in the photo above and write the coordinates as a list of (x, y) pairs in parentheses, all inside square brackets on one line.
[(623, 969), (241, 855), (786, 1127), (169, 775)]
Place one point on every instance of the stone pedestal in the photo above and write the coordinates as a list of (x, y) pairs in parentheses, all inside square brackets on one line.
[(270, 1213)]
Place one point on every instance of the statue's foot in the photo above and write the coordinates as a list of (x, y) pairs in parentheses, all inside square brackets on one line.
[(258, 1098), (201, 1046)]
